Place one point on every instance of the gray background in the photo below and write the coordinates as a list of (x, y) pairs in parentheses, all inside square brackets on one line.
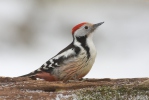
[(33, 31)]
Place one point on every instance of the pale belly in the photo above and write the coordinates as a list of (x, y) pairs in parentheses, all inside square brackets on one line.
[(76, 69), (85, 70)]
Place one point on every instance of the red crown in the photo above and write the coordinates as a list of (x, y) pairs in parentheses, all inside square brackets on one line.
[(77, 27)]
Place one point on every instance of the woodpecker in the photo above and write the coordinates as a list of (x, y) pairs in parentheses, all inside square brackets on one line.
[(74, 61)]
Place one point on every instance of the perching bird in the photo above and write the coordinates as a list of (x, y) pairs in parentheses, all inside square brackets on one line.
[(74, 61)]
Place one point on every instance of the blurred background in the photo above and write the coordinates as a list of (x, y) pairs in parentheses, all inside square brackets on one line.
[(33, 31)]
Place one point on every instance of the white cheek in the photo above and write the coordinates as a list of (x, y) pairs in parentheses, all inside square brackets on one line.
[(80, 32)]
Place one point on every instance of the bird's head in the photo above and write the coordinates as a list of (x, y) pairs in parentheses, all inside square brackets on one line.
[(84, 29)]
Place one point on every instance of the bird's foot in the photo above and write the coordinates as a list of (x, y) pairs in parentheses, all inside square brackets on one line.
[(75, 80)]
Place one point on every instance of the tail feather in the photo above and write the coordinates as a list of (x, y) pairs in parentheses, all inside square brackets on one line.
[(41, 75), (28, 75), (31, 75)]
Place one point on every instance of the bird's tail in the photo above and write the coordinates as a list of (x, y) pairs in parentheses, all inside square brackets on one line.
[(38, 74), (27, 75), (31, 75)]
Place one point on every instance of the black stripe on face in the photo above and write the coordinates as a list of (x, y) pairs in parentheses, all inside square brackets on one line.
[(82, 40)]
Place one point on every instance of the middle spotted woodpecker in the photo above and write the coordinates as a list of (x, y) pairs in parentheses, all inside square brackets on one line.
[(74, 61)]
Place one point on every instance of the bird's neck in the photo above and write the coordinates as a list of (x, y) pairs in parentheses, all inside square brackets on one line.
[(86, 43), (83, 40)]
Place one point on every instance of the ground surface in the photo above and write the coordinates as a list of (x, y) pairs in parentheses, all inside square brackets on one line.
[(93, 89)]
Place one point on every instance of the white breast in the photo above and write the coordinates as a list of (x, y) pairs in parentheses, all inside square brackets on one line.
[(93, 54), (88, 65)]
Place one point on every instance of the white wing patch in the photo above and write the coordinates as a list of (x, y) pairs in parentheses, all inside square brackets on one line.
[(45, 68), (50, 66), (56, 64), (51, 60), (65, 54)]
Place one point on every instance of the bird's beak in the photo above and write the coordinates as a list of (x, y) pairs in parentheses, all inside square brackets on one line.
[(96, 25)]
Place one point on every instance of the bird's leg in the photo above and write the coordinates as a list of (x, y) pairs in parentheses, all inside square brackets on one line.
[(75, 79)]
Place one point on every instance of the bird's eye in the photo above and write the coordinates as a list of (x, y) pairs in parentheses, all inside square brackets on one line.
[(86, 27)]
